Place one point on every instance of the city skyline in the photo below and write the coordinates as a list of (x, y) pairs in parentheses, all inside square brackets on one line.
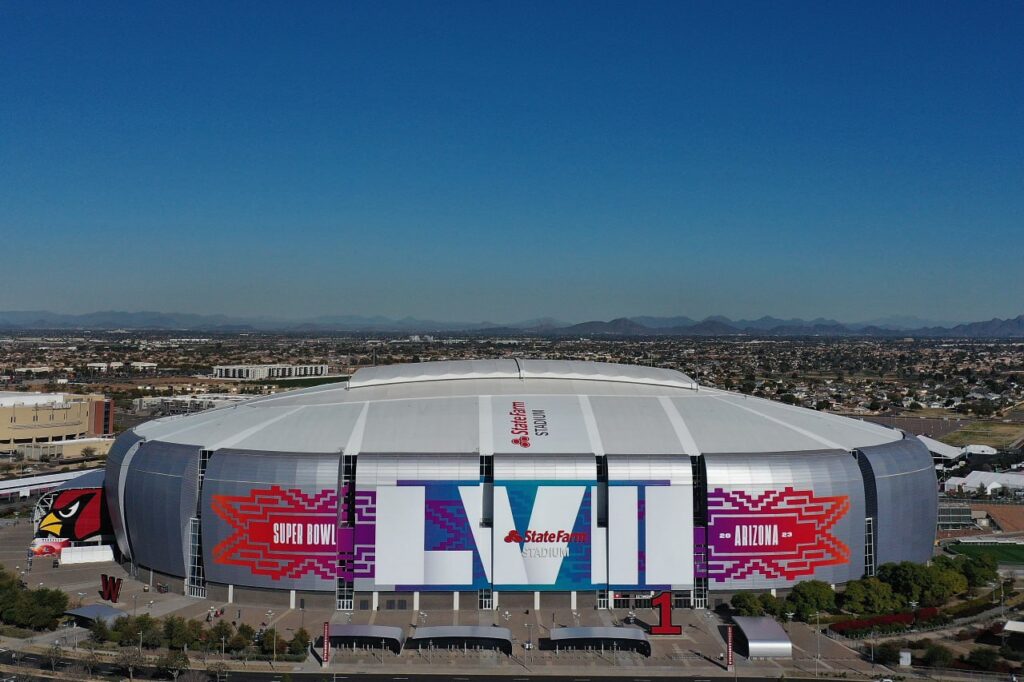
[(471, 162)]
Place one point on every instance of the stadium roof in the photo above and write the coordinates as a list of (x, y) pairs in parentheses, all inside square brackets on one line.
[(468, 406), (940, 449)]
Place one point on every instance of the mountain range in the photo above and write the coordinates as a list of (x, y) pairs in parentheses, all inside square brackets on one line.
[(717, 325)]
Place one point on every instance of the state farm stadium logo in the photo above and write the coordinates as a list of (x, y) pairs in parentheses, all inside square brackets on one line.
[(527, 424), (550, 537)]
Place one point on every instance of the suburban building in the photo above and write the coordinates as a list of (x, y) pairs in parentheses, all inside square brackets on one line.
[(27, 418), (259, 372)]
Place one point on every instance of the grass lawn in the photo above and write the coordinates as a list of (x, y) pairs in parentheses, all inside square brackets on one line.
[(996, 434), (1004, 554)]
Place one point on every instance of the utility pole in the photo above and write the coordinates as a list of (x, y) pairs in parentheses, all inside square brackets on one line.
[(817, 660)]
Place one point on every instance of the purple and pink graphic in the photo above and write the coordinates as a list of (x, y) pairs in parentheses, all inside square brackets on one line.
[(778, 534)]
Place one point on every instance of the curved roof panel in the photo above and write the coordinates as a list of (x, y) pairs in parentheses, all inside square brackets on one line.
[(487, 407)]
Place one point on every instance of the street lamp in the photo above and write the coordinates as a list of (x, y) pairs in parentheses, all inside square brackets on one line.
[(817, 660)]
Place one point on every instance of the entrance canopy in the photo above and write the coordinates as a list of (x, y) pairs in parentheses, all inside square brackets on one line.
[(629, 639), (765, 637), (93, 612), (367, 635), (463, 635)]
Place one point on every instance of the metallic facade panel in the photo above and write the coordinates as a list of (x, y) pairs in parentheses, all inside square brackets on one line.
[(422, 426), (120, 452), (841, 431), (907, 499), (310, 429), (604, 371), (244, 492), (636, 426), (545, 468), (375, 469), (777, 518), (675, 469), (765, 637), (716, 426), (158, 503)]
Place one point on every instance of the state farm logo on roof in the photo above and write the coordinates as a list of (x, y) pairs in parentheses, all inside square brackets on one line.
[(526, 424)]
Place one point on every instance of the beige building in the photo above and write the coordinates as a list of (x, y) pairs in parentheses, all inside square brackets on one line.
[(28, 418), (64, 449)]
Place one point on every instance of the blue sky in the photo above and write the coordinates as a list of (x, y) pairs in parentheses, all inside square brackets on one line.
[(502, 161)]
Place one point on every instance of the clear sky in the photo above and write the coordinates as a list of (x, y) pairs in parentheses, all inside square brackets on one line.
[(506, 160)]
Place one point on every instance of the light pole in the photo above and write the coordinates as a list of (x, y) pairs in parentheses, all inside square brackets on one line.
[(140, 642), (817, 659)]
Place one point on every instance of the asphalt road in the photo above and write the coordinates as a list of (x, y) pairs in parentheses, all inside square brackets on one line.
[(29, 662)]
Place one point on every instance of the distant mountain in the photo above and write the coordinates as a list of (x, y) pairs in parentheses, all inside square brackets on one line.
[(664, 322), (900, 322), (623, 326)]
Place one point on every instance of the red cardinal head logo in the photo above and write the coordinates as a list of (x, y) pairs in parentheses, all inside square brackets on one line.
[(74, 515), (522, 441), (513, 536)]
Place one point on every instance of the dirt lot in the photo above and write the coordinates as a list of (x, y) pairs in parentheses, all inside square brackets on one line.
[(999, 435), (1009, 517)]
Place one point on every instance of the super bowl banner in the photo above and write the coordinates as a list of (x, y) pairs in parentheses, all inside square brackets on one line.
[(778, 534), (280, 533)]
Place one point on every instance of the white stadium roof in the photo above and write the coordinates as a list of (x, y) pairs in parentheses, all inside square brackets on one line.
[(469, 406)]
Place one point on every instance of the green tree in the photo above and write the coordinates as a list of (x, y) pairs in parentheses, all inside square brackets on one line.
[(771, 606), (272, 643), (222, 631), (983, 657), (979, 570), (907, 579), (809, 597), (299, 642), (941, 585), (869, 596), (937, 656), (746, 604), (99, 631), (175, 632)]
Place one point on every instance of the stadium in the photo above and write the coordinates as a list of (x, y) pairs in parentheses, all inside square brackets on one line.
[(465, 485)]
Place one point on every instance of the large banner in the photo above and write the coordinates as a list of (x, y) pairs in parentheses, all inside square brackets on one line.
[(780, 534), (279, 533), (542, 535), (648, 544), (66, 516)]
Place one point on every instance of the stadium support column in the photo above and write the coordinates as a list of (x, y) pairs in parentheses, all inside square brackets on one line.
[(195, 580)]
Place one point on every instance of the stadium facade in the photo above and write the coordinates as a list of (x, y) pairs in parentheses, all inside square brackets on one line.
[(516, 482)]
